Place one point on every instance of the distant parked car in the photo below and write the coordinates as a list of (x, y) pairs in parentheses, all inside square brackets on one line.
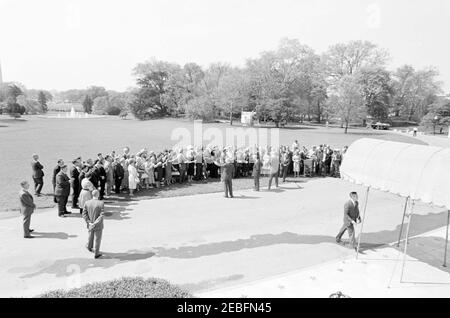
[(380, 126)]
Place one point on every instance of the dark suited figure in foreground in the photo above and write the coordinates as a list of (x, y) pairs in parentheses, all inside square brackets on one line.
[(227, 172), (56, 170), (27, 208), (75, 183), (93, 214), (38, 175), (62, 191), (351, 218), (257, 171)]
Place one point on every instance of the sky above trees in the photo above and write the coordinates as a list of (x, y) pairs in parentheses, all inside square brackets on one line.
[(52, 44)]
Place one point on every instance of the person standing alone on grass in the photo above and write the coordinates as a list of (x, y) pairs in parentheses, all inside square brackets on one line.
[(38, 175), (27, 208), (62, 191), (93, 214), (351, 218)]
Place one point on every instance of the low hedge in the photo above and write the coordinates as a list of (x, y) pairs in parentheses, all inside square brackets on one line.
[(127, 287)]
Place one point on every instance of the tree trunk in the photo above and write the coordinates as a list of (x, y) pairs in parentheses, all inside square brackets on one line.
[(346, 126), (319, 113), (231, 115)]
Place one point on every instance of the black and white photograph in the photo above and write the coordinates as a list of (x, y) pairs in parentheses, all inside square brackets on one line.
[(224, 150)]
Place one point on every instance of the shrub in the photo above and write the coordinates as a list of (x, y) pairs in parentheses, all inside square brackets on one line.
[(127, 287), (113, 110)]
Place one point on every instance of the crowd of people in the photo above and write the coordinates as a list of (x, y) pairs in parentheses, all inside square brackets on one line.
[(146, 169), (90, 181)]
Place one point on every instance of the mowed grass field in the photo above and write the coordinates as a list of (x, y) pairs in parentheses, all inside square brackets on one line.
[(69, 138)]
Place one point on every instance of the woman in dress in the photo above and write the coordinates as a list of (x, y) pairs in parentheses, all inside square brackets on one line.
[(86, 193), (181, 165), (296, 159), (159, 170), (133, 178), (124, 162), (190, 161), (168, 168), (266, 163)]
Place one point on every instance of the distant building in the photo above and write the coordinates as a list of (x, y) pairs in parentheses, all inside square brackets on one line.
[(247, 118)]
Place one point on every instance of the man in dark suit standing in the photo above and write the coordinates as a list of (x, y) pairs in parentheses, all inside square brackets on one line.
[(93, 214), (351, 218), (227, 172), (27, 208), (56, 170), (75, 171), (38, 175), (257, 171), (99, 174), (62, 191), (118, 174)]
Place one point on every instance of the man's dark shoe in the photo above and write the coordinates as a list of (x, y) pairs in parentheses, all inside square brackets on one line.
[(338, 241), (28, 237), (98, 256), (67, 212), (89, 249)]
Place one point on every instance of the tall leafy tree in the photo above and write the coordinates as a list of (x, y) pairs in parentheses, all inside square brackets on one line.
[(377, 90), (87, 104), (346, 100), (42, 100), (415, 91)]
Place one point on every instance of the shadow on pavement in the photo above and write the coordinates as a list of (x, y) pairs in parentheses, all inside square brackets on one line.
[(55, 235), (69, 266)]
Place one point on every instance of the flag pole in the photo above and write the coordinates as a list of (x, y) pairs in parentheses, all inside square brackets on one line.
[(362, 223)]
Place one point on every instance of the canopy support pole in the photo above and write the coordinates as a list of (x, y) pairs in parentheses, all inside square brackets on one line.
[(446, 240), (411, 210), (403, 221), (362, 223)]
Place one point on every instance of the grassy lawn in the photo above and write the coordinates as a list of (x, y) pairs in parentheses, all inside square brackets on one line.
[(129, 287), (69, 138)]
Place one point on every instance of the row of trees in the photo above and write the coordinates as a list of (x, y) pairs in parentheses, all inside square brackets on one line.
[(16, 100), (97, 100), (347, 83)]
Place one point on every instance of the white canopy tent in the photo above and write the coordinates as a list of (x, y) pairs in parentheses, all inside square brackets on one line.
[(415, 172)]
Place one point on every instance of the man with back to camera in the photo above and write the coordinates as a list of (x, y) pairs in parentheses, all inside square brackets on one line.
[(351, 218), (27, 208), (93, 214)]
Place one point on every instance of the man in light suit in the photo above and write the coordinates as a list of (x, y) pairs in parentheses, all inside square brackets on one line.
[(93, 214), (62, 191), (274, 168), (351, 218), (38, 175), (27, 208)]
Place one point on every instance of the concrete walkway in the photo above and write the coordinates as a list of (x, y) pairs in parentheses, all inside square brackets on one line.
[(206, 243)]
